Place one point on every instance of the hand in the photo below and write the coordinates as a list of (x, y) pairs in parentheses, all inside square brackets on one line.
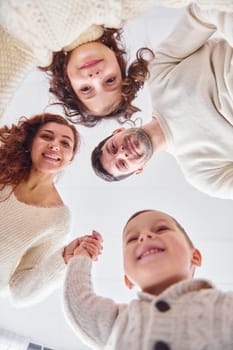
[(68, 252), (90, 246)]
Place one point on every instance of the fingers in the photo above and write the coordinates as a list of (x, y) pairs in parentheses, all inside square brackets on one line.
[(89, 246), (97, 235), (85, 245)]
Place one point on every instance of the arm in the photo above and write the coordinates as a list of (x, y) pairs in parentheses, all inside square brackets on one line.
[(218, 182), (91, 317), (222, 20), (133, 8), (15, 63), (39, 272), (188, 36)]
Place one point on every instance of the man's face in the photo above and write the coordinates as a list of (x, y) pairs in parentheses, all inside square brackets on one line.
[(126, 151)]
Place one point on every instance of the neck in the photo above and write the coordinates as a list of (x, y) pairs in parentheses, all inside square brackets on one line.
[(159, 288), (37, 180), (154, 131)]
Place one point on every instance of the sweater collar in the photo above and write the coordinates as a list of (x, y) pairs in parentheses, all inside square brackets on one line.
[(179, 289), (93, 33)]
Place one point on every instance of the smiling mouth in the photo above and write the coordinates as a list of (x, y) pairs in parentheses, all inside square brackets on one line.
[(151, 252), (131, 147), (52, 157), (90, 64)]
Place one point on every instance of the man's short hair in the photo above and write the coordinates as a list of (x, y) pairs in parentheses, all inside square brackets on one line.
[(98, 167)]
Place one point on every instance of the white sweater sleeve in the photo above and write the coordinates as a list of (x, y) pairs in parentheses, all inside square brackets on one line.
[(222, 20), (188, 36), (15, 63), (90, 316), (38, 273), (218, 182)]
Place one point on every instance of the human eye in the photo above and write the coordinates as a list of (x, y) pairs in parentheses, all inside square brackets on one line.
[(113, 148), (123, 164), (85, 89), (46, 136), (66, 144), (162, 228), (110, 80), (131, 238)]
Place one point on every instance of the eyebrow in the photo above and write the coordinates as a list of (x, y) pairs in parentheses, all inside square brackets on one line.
[(51, 132)]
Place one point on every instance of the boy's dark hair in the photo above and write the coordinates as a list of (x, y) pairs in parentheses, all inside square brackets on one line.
[(98, 167), (176, 222)]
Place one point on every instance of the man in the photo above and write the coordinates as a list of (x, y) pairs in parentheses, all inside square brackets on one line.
[(192, 93)]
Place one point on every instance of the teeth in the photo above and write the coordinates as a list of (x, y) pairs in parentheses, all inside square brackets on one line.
[(51, 156), (151, 251)]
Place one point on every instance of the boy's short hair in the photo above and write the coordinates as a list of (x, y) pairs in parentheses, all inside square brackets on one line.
[(176, 222)]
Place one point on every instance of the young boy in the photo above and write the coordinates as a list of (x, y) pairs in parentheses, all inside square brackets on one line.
[(172, 312)]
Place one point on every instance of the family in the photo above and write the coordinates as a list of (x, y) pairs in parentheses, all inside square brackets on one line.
[(190, 77)]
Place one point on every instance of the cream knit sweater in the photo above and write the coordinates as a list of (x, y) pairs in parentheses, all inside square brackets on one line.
[(191, 84), (189, 315), (31, 30), (31, 244)]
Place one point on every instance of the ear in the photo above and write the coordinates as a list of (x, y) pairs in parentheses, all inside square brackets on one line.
[(128, 283), (117, 131), (139, 170), (196, 258)]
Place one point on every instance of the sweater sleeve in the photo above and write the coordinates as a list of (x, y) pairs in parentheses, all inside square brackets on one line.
[(90, 316), (38, 273), (222, 20), (15, 62), (217, 182), (133, 8), (188, 36)]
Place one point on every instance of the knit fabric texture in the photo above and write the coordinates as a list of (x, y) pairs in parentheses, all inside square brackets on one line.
[(31, 30), (192, 95), (190, 314), (31, 245)]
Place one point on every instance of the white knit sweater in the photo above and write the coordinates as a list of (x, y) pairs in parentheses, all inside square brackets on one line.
[(31, 30), (31, 244), (189, 315), (191, 84)]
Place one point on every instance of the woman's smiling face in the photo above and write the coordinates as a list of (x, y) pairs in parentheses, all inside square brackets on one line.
[(52, 148)]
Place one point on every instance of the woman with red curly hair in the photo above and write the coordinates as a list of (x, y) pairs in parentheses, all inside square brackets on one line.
[(34, 220)]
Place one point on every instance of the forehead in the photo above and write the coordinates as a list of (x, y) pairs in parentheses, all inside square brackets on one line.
[(58, 129), (146, 219)]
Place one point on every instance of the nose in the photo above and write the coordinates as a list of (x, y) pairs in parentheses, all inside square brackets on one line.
[(144, 235), (54, 146), (124, 152), (94, 73)]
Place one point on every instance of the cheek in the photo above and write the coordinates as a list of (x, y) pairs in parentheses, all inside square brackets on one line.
[(128, 260)]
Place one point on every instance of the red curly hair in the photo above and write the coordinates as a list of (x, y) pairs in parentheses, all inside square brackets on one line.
[(16, 141)]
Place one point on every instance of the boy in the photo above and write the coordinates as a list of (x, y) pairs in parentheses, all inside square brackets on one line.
[(172, 311)]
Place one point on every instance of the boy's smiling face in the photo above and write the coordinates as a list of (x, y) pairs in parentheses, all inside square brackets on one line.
[(156, 252)]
